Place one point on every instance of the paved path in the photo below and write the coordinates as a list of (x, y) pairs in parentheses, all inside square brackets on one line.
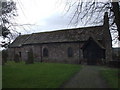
[(88, 77)]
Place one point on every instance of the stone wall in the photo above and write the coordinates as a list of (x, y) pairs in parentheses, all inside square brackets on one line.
[(12, 52), (57, 52), (24, 51)]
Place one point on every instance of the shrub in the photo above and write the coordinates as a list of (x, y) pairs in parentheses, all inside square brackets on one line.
[(30, 59)]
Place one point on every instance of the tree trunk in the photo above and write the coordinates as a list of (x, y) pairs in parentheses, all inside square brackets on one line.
[(117, 16)]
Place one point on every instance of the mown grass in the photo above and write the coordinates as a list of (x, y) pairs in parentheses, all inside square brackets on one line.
[(112, 77), (37, 75)]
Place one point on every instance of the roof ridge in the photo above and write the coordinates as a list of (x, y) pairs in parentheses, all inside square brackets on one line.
[(60, 30)]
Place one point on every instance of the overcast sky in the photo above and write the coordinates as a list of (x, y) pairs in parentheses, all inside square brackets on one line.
[(43, 15)]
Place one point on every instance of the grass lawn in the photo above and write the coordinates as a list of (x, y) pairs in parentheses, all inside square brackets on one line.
[(37, 75), (112, 76)]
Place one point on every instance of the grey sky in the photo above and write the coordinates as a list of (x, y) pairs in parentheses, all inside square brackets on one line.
[(43, 15), (46, 15)]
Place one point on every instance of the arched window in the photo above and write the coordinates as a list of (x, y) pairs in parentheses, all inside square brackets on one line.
[(45, 52), (70, 52)]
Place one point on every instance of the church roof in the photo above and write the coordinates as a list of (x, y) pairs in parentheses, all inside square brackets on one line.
[(19, 41), (67, 35)]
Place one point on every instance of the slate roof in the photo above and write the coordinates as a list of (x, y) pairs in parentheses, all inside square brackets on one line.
[(67, 35), (19, 41)]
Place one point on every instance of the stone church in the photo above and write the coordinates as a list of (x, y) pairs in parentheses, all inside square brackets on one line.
[(90, 45)]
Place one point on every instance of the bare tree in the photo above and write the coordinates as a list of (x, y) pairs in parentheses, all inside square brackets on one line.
[(91, 11), (116, 10), (8, 12)]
